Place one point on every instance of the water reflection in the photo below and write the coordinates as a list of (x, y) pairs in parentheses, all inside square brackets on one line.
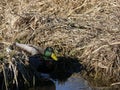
[(65, 67), (73, 83), (45, 84)]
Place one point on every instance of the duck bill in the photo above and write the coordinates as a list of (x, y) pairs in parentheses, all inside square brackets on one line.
[(54, 57)]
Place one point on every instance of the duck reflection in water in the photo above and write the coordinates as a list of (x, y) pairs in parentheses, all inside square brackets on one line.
[(45, 84)]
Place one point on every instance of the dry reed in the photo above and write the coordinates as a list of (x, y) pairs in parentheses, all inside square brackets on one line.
[(86, 29)]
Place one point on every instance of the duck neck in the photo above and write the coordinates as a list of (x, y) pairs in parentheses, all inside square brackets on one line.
[(46, 58)]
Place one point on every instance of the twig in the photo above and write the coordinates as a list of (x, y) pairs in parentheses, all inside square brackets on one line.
[(5, 78), (79, 48), (116, 43), (99, 48), (77, 8), (6, 43), (14, 68), (115, 83)]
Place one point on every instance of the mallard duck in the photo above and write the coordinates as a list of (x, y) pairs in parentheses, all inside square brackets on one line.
[(40, 59)]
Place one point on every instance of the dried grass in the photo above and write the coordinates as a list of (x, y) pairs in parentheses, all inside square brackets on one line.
[(86, 29)]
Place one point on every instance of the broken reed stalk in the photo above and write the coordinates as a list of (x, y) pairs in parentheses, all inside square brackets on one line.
[(116, 83), (5, 77), (103, 46), (14, 70)]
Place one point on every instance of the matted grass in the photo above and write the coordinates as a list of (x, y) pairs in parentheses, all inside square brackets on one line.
[(86, 29)]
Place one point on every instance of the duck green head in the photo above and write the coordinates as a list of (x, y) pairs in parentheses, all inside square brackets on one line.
[(49, 52)]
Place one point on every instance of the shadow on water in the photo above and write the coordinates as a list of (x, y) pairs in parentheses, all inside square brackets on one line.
[(65, 67), (60, 70), (44, 84)]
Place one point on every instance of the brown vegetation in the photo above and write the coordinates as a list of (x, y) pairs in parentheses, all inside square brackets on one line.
[(86, 29)]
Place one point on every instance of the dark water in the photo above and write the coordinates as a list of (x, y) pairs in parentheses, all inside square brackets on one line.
[(73, 83)]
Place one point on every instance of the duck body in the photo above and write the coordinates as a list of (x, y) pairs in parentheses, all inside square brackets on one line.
[(40, 64), (40, 59)]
